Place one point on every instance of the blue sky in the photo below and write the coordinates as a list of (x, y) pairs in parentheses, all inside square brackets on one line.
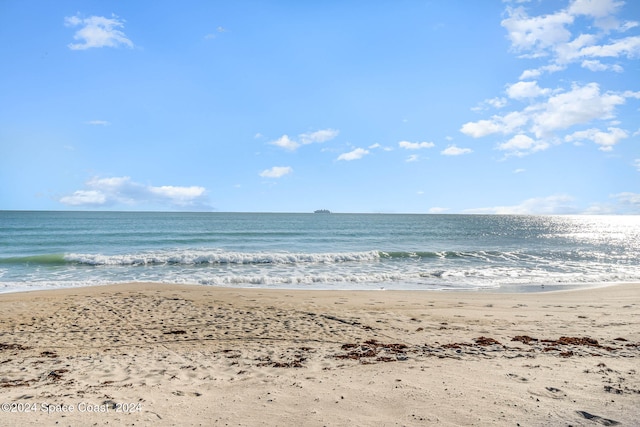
[(525, 107)]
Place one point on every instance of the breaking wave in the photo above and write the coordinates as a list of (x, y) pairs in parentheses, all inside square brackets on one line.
[(218, 257)]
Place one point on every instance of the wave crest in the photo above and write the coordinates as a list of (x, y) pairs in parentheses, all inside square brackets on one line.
[(196, 257)]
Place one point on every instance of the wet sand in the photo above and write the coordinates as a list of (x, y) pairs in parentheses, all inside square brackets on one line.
[(153, 354)]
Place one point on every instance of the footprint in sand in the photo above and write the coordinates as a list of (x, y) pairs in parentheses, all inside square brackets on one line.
[(517, 378), (552, 392), (188, 393), (596, 418)]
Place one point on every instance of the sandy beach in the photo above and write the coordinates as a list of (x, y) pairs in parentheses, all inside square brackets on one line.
[(153, 354)]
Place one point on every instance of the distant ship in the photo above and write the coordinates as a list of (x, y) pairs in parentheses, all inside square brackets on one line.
[(322, 211)]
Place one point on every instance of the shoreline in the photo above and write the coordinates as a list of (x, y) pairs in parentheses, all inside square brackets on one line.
[(515, 289), (193, 354)]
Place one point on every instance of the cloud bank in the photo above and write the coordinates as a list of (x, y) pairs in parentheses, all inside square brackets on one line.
[(106, 192), (585, 33), (551, 37), (551, 205)]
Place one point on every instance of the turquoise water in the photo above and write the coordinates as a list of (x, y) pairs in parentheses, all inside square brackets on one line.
[(42, 250)]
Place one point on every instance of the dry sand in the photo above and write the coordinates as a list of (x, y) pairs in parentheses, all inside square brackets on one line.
[(149, 354)]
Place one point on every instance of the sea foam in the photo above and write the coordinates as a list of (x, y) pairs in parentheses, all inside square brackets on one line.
[(193, 257)]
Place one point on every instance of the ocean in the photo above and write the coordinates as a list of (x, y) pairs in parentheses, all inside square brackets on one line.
[(47, 250)]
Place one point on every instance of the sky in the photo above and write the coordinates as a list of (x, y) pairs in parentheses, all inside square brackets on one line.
[(404, 106)]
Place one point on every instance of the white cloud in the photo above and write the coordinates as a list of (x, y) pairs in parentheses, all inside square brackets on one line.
[(628, 25), (600, 209), (97, 31), (636, 163), (520, 170), (506, 124), (538, 32), (627, 47), (602, 10), (305, 138), (580, 105), (285, 142), (84, 198), (219, 30), (530, 74), (481, 128), (521, 144), (276, 172), (561, 204), (513, 121), (452, 150), (560, 111), (178, 195), (627, 202), (415, 145), (356, 154), (102, 192), (623, 203), (568, 52), (98, 123), (551, 36), (584, 47), (497, 102), (524, 90), (595, 8), (633, 198), (595, 65), (377, 145), (552, 205), (537, 72), (605, 140), (318, 136), (412, 158)]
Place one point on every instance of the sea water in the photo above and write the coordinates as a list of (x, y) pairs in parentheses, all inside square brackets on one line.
[(45, 250)]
